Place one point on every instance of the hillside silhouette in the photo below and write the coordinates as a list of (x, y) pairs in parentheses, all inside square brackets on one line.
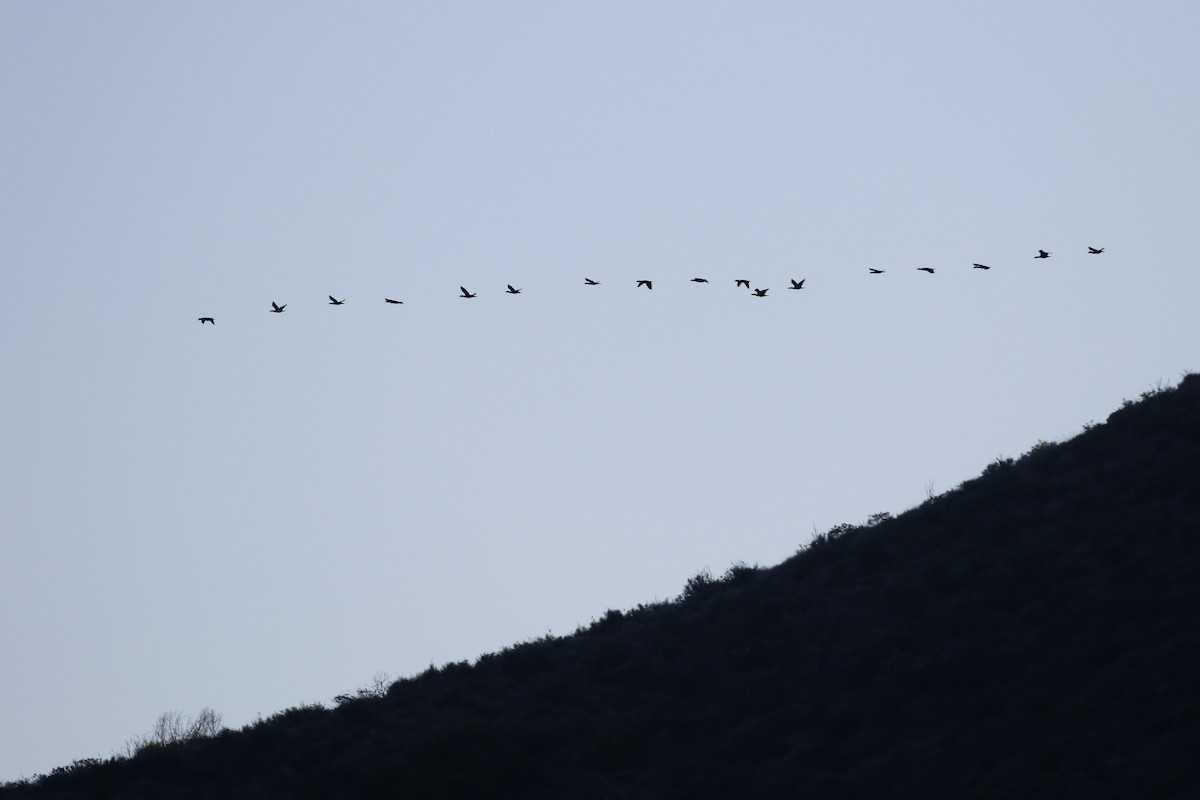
[(1032, 633)]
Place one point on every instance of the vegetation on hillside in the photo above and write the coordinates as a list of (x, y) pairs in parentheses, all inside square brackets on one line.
[(1032, 633)]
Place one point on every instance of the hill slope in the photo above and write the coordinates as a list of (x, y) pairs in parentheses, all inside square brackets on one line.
[(1031, 633)]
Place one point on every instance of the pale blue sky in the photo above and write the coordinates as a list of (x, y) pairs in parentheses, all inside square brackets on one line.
[(269, 511)]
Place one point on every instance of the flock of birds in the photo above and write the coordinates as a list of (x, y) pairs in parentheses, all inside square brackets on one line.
[(276, 308)]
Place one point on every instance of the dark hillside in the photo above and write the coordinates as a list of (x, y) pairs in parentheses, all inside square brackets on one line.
[(1030, 634)]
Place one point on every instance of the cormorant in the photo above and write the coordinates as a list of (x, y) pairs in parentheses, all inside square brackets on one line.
[(742, 282), (647, 284), (1042, 254), (393, 302), (591, 282), (761, 292), (980, 266), (797, 284), (275, 308), (465, 293), (875, 271), (699, 280), (333, 301), (209, 320), (1093, 251), (511, 290), (925, 269)]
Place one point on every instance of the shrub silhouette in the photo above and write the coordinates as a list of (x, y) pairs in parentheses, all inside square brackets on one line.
[(172, 727)]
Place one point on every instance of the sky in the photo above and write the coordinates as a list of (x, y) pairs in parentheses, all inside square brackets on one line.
[(269, 511)]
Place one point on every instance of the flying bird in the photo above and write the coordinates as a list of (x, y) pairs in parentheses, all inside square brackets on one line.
[(333, 301), (591, 282), (209, 320), (511, 290), (742, 282), (699, 280), (275, 308), (980, 266), (761, 292), (925, 269), (393, 302), (797, 284), (875, 271), (1042, 254), (647, 284), (1093, 251), (465, 293)]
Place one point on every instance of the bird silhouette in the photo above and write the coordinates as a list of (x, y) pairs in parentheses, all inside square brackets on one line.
[(511, 290), (761, 292), (980, 266), (1042, 254), (591, 282), (797, 284), (393, 302), (209, 320), (1093, 251), (699, 280), (925, 269), (647, 284), (465, 293), (333, 301), (742, 282), (276, 308), (875, 271)]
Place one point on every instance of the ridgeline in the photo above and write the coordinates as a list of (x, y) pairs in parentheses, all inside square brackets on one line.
[(1032, 633)]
